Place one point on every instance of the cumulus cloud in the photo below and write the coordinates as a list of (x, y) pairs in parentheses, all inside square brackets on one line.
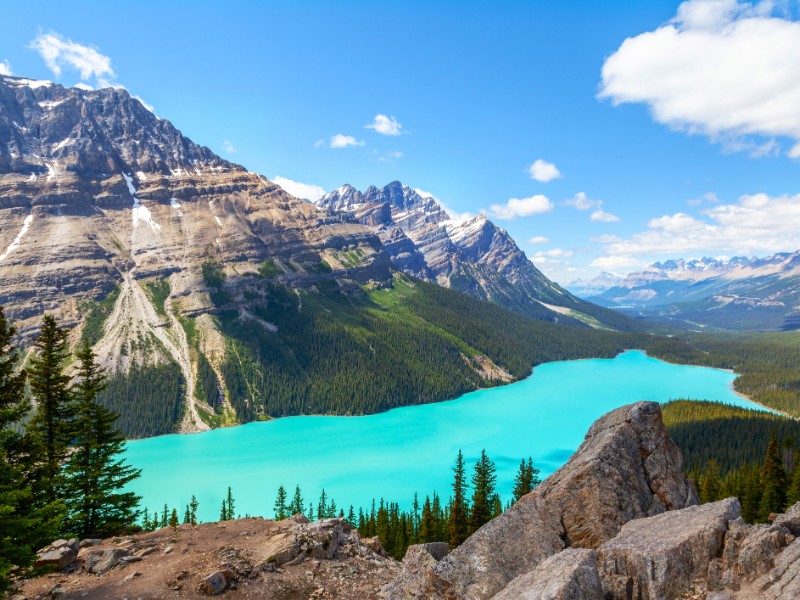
[(544, 171), (726, 69), (59, 52), (521, 207), (755, 224), (228, 147), (385, 125), (5, 68), (305, 191), (603, 217), (344, 141), (539, 239), (554, 253)]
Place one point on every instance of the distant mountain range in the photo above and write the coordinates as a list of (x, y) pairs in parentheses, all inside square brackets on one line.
[(741, 293)]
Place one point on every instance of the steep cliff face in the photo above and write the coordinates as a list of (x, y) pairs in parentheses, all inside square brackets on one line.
[(475, 256), (99, 195)]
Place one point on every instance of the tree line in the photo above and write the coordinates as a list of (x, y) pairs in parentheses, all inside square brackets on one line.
[(61, 471)]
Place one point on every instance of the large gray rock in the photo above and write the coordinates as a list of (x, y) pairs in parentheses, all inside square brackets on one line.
[(627, 468), (782, 582), (102, 561), (657, 558), (420, 558), (568, 575)]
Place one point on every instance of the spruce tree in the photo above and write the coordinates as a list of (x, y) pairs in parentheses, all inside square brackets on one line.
[(173, 518), (51, 423), (280, 504), (296, 507), (229, 505), (193, 506), (526, 480), (793, 493), (23, 526), (483, 486), (96, 473), (427, 527), (773, 481), (459, 512)]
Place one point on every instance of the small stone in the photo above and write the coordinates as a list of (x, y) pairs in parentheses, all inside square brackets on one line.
[(168, 549), (132, 575), (214, 584)]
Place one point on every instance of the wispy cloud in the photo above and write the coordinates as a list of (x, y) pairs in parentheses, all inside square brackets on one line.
[(602, 216), (385, 125), (455, 216), (344, 141), (726, 69), (60, 52), (544, 171), (228, 147), (300, 190), (581, 201), (539, 239), (5, 68), (521, 207)]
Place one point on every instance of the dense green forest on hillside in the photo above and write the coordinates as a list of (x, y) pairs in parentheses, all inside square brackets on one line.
[(357, 352), (731, 451)]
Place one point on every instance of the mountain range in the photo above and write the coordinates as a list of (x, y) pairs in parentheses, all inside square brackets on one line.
[(740, 293), (214, 297)]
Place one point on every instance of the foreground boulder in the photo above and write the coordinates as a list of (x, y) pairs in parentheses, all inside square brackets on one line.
[(659, 557), (60, 554), (568, 575), (627, 468)]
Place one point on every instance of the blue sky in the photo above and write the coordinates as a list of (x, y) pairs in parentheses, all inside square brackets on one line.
[(682, 141)]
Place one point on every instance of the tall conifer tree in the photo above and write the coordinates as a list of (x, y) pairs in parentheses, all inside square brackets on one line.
[(95, 472), (52, 422), (483, 492), (459, 511)]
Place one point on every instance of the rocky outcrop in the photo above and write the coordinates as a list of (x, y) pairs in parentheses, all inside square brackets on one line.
[(568, 575), (627, 467), (659, 557)]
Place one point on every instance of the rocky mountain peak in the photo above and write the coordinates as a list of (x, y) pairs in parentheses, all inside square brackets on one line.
[(46, 128)]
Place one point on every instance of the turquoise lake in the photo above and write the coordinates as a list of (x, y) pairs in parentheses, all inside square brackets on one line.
[(396, 453)]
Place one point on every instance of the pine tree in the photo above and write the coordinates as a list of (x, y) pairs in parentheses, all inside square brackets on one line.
[(322, 505), (280, 504), (95, 473), (229, 506), (187, 516), (146, 519), (427, 527), (773, 481), (173, 518), (51, 423), (710, 484), (193, 506), (296, 507), (483, 486), (526, 480), (164, 517), (459, 513), (23, 526)]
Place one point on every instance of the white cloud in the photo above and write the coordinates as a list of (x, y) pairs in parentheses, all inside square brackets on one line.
[(456, 217), (602, 216), (152, 109), (521, 207), (385, 125), (755, 224), (59, 52), (544, 171), (726, 69), (613, 263), (228, 147), (709, 197), (5, 68), (582, 202), (539, 239), (84, 86), (344, 141), (385, 157), (300, 190), (554, 253)]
